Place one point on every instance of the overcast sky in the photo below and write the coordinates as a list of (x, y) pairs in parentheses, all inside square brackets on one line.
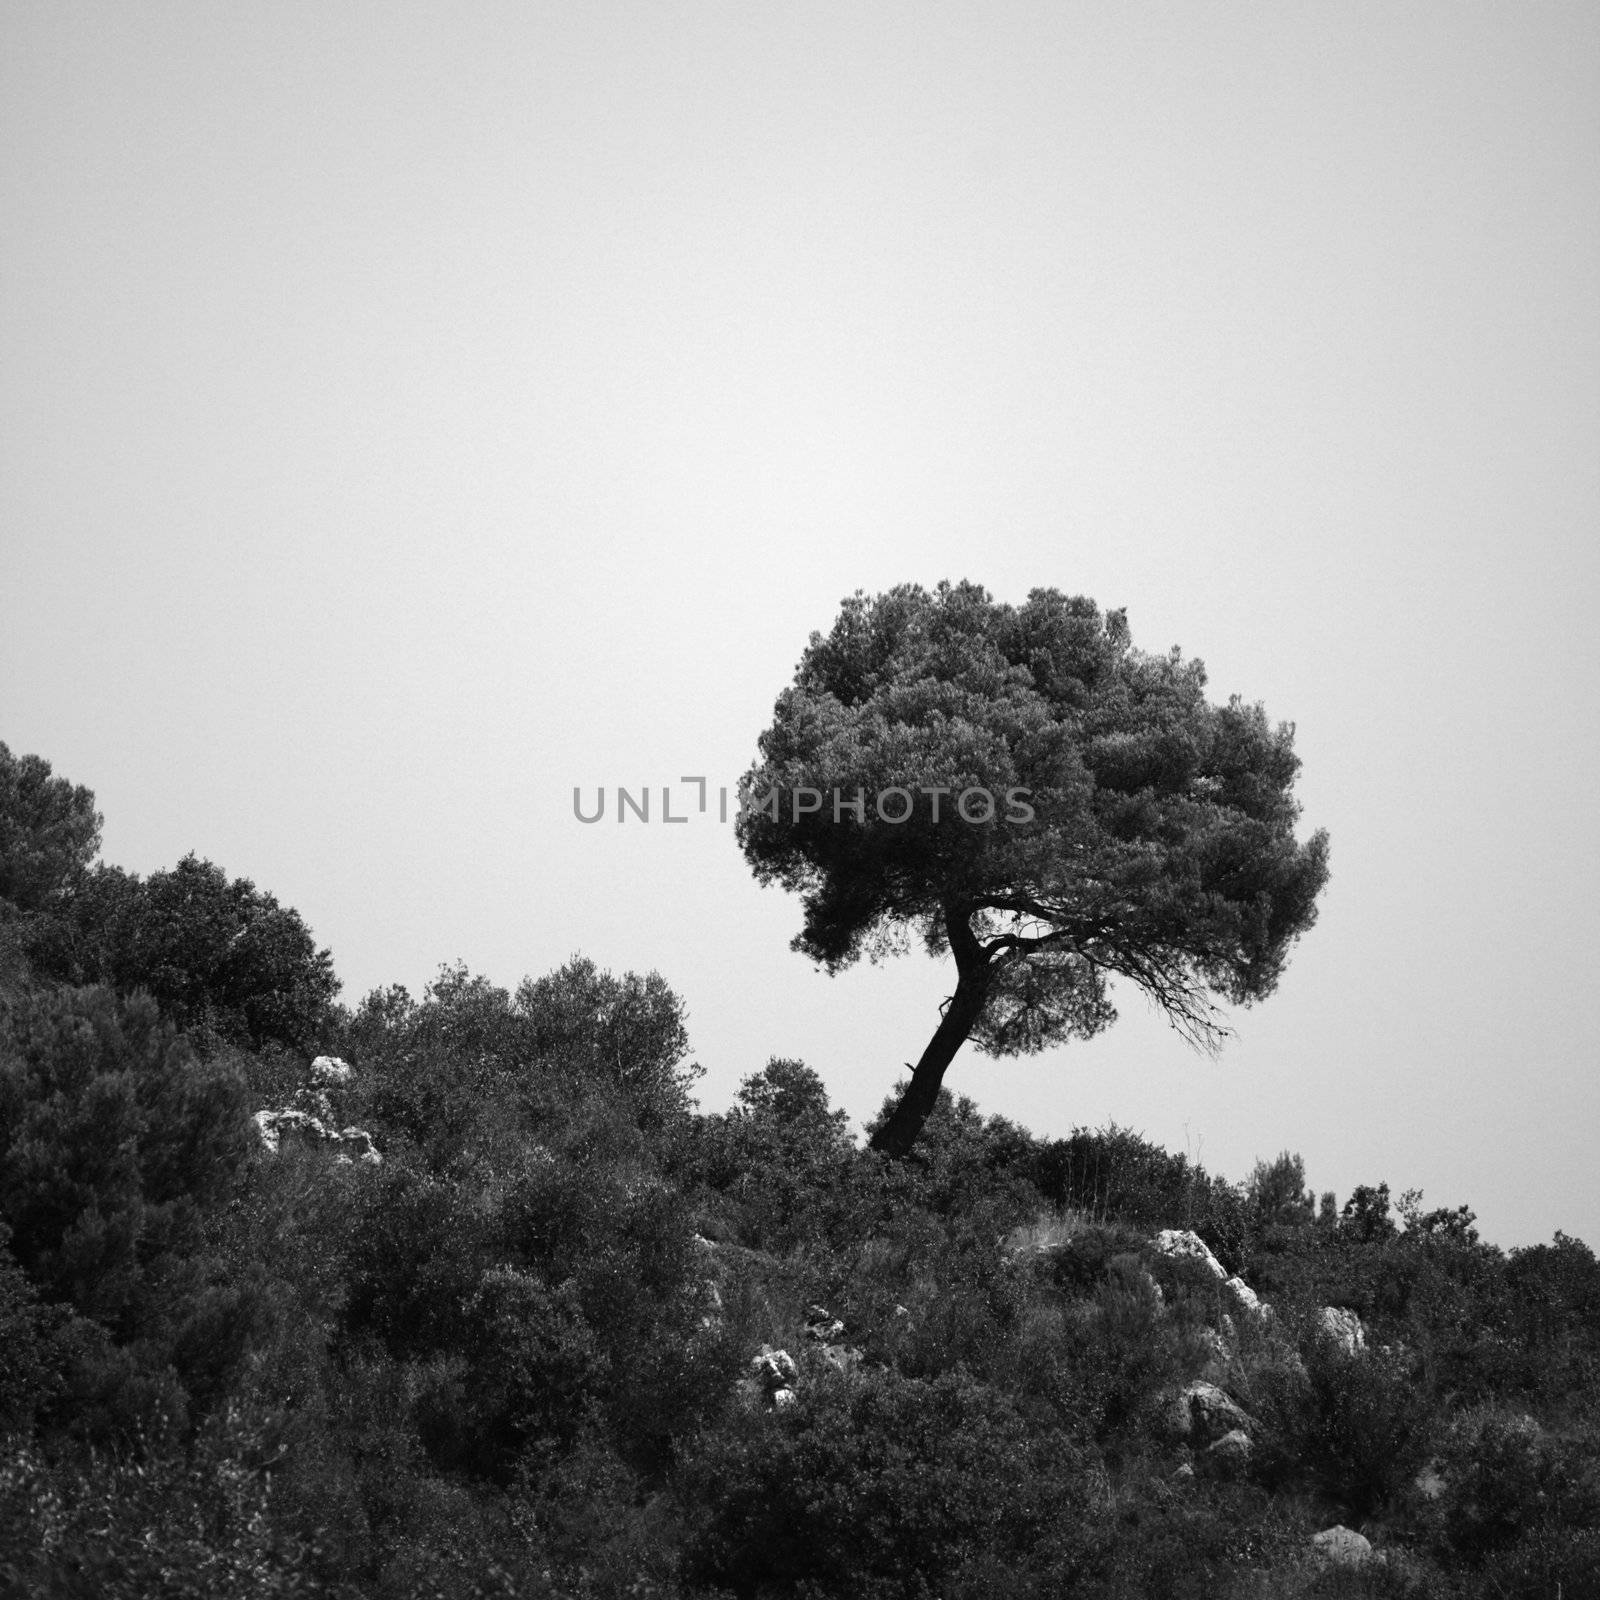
[(408, 413)]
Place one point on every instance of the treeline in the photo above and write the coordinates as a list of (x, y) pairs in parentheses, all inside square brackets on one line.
[(574, 1337)]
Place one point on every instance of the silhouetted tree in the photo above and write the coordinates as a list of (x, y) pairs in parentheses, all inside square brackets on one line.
[(1020, 786)]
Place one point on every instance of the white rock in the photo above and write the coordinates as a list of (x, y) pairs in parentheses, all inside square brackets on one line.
[(1249, 1301), (1343, 1546), (299, 1126), (1233, 1448), (1344, 1328), (360, 1142), (822, 1325), (351, 1144), (1204, 1408), (775, 1369), (782, 1398), (1183, 1244), (331, 1070)]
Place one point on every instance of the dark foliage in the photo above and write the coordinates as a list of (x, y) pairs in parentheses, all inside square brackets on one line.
[(1154, 840), (219, 956), (574, 1338)]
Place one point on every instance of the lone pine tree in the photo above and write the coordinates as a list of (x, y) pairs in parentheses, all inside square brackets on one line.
[(1020, 786)]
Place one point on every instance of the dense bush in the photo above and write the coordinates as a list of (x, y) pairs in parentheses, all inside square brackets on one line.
[(117, 1148), (219, 956), (885, 1486), (574, 1338), (1114, 1173)]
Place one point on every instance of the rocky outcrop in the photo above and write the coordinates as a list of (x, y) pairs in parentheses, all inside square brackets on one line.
[(1232, 1452), (1343, 1328), (775, 1376), (1204, 1413), (1340, 1546), (1247, 1300), (331, 1072), (826, 1333), (1184, 1245), (301, 1128), (310, 1122)]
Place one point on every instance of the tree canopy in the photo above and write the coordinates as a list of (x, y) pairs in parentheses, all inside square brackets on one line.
[(49, 831), (1020, 786), (215, 952)]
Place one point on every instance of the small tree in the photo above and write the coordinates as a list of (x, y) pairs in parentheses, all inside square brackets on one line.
[(1020, 786), (1278, 1193)]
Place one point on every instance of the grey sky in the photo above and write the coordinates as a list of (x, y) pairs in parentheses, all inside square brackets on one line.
[(410, 412)]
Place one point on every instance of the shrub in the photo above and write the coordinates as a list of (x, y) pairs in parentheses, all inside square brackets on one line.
[(882, 1487), (779, 1169), (193, 1525), (1116, 1175), (1507, 1479), (1359, 1425)]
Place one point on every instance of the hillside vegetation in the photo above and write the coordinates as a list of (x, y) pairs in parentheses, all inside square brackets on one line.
[(462, 1296)]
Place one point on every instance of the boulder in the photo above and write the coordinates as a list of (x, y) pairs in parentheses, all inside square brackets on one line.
[(1182, 1244), (775, 1372), (357, 1146), (1343, 1547), (300, 1127), (821, 1325), (1233, 1450), (1247, 1300), (1343, 1327), (331, 1072), (1202, 1410), (297, 1127)]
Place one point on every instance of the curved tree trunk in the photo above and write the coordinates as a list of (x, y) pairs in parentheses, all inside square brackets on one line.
[(897, 1135)]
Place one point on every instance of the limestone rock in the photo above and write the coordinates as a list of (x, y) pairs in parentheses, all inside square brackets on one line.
[(775, 1372), (350, 1145), (358, 1146), (1343, 1546), (1248, 1301), (821, 1325), (1183, 1244), (1232, 1450), (1344, 1328), (298, 1127), (1203, 1409), (331, 1071)]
